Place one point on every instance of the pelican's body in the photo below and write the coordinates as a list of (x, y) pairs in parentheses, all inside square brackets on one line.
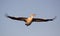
[(30, 19)]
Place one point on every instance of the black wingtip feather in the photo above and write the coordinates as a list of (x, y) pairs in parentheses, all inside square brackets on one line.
[(9, 16), (51, 19)]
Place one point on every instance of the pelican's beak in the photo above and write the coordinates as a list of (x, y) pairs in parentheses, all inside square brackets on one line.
[(33, 14)]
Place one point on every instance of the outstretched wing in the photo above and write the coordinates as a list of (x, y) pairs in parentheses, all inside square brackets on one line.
[(17, 18), (42, 20)]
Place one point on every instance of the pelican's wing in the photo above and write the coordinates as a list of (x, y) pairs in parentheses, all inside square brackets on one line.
[(42, 20), (17, 18)]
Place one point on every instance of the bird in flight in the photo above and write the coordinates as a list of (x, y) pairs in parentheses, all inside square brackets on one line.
[(30, 19)]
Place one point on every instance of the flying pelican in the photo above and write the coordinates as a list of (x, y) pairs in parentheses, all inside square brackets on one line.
[(30, 19)]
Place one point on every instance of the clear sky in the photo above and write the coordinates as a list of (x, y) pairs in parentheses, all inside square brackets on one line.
[(42, 9)]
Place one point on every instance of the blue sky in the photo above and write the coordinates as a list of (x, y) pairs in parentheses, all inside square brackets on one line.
[(42, 9)]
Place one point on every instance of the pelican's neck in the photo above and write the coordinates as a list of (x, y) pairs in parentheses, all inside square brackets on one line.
[(31, 16)]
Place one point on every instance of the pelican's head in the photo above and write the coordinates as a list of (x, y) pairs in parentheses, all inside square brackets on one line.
[(32, 15)]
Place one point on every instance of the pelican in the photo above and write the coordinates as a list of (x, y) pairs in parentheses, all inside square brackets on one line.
[(30, 19)]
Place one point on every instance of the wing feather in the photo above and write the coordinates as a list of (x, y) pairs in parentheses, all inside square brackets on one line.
[(42, 20), (17, 18)]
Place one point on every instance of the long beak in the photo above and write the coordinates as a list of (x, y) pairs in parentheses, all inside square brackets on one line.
[(33, 15)]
